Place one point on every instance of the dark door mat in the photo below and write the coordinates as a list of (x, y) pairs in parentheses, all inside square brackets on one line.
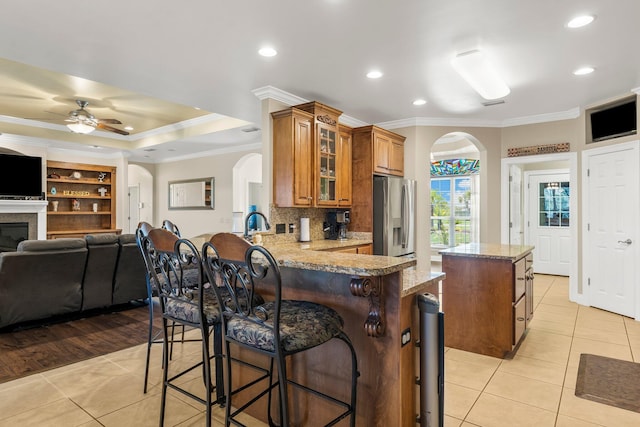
[(610, 381)]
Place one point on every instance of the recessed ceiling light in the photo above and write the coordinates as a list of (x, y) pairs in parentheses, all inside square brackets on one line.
[(374, 74), (583, 71), (419, 102), (268, 51), (128, 128), (580, 21)]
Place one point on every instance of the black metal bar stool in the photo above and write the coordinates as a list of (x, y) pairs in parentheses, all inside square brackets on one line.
[(277, 328), (183, 301), (152, 291)]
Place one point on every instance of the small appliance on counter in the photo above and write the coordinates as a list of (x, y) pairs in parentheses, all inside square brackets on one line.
[(335, 225), (343, 218)]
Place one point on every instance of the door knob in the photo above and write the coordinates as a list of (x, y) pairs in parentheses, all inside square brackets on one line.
[(628, 241)]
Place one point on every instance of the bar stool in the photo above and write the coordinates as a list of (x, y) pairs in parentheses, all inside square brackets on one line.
[(184, 302), (168, 225), (141, 232), (277, 329), (152, 291)]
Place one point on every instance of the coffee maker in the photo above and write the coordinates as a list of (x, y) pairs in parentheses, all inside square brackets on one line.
[(335, 225), (343, 218)]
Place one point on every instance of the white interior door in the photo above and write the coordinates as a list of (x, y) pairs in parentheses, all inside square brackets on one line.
[(515, 205), (611, 218), (548, 222), (134, 208)]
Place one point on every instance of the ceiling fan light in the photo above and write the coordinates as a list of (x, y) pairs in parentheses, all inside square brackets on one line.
[(476, 70), (80, 127)]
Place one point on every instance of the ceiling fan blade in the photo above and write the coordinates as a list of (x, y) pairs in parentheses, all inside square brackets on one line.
[(110, 121), (111, 129)]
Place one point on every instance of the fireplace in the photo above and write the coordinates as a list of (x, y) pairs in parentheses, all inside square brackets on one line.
[(12, 233), (32, 212)]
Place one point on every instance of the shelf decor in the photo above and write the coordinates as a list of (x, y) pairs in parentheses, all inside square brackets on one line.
[(75, 188)]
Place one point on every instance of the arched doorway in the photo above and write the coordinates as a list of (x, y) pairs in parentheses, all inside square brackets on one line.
[(140, 186), (454, 191), (247, 188)]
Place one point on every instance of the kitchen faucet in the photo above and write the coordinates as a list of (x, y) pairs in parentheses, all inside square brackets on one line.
[(246, 223)]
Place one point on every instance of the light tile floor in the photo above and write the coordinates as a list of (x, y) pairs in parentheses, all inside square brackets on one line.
[(535, 388)]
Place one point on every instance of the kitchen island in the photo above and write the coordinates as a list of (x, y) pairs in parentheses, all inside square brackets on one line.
[(487, 297), (376, 297)]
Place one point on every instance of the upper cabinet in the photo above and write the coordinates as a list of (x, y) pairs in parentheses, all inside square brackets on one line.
[(311, 157), (292, 158), (374, 151), (344, 154), (387, 149)]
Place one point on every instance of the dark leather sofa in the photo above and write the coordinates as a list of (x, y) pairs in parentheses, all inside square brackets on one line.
[(46, 278)]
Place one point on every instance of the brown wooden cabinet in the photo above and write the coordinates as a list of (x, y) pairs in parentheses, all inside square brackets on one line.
[(487, 300), (292, 158), (388, 150), (82, 199), (360, 249), (343, 169), (311, 157), (375, 151)]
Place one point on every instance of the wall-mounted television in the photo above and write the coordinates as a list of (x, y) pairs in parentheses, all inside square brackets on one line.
[(20, 176), (613, 120)]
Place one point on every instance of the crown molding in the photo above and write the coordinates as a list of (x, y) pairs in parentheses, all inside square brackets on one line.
[(271, 92), (186, 124), (573, 113), (457, 122)]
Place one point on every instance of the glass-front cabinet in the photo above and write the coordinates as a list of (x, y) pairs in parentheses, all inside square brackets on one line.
[(332, 156), (312, 155), (327, 155)]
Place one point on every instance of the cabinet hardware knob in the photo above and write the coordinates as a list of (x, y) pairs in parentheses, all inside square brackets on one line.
[(520, 319)]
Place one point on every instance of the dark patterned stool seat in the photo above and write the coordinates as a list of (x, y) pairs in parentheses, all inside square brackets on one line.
[(277, 328)]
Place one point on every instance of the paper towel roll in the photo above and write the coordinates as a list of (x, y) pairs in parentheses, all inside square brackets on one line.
[(304, 230)]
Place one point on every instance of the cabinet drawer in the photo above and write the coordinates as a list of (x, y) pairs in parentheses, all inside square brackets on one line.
[(519, 320)]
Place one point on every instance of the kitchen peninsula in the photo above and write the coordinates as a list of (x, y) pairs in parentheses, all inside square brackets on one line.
[(487, 297), (376, 297)]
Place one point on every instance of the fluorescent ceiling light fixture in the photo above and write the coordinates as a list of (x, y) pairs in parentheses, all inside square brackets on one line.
[(268, 51), (375, 74), (478, 72), (584, 71), (128, 128), (419, 102), (80, 127), (580, 21)]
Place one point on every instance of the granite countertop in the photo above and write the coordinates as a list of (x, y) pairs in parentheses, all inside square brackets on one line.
[(417, 281), (489, 250), (317, 256)]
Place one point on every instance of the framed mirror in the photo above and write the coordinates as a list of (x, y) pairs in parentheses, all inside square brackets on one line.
[(196, 193)]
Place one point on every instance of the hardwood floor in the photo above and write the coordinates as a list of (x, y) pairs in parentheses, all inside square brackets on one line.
[(30, 350)]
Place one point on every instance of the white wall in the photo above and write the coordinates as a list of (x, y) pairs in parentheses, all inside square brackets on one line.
[(194, 222)]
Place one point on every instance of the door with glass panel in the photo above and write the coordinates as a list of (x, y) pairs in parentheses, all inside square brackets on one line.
[(548, 223)]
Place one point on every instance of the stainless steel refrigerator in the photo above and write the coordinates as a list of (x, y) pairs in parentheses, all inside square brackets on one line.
[(394, 213)]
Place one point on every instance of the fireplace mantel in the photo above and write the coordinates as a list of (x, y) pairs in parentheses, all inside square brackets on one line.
[(38, 207)]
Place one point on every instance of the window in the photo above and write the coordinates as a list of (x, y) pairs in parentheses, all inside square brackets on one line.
[(553, 206), (451, 211)]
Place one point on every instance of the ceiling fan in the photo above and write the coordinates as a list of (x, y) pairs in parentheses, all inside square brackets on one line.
[(82, 121)]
